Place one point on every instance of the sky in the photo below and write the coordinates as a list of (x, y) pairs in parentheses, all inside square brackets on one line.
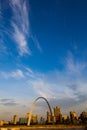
[(43, 52)]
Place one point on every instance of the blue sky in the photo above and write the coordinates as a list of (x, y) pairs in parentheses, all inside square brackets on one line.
[(43, 52)]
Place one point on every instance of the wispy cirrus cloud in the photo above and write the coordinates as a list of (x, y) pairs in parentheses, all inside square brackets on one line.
[(69, 83), (17, 27), (36, 42), (50, 90), (42, 88), (17, 74), (74, 66), (21, 41), (20, 24), (8, 102)]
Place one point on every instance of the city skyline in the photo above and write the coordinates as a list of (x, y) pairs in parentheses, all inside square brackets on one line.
[(43, 50), (56, 117)]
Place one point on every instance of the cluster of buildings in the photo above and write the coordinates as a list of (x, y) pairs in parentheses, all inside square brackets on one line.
[(73, 118), (20, 120), (24, 120), (55, 118)]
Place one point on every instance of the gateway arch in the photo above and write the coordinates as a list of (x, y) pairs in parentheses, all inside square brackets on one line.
[(32, 107)]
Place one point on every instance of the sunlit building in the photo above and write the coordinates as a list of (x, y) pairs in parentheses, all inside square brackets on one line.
[(15, 119), (48, 117), (1, 123), (64, 117), (73, 117), (34, 119), (27, 115), (22, 120), (57, 113), (73, 114), (42, 120), (83, 117), (54, 119)]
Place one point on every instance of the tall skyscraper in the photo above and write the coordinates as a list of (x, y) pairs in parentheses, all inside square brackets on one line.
[(73, 117), (48, 117), (27, 115), (56, 111), (15, 119), (34, 119)]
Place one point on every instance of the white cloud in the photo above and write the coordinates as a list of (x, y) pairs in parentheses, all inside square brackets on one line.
[(67, 84), (20, 24), (29, 72), (18, 74), (82, 86), (20, 14), (21, 41), (45, 86), (18, 29), (36, 42), (74, 66), (42, 88)]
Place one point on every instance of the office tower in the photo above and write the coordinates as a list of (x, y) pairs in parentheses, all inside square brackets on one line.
[(27, 115), (15, 119), (42, 120), (83, 117), (54, 119), (34, 119), (73, 117), (22, 120), (56, 111), (1, 123), (64, 117), (48, 117)]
